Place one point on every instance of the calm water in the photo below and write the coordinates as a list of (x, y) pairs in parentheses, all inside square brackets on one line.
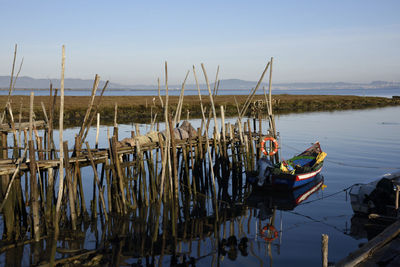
[(360, 145), (359, 92)]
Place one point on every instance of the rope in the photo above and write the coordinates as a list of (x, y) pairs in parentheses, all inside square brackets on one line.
[(331, 195), (317, 221)]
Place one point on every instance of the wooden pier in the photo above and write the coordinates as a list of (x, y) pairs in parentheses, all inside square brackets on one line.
[(177, 172), (382, 250)]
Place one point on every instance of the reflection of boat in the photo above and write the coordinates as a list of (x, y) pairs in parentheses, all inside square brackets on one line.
[(377, 196), (284, 199), (363, 227), (291, 173)]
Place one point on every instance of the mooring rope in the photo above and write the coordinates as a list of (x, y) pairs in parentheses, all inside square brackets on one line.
[(330, 195), (315, 220)]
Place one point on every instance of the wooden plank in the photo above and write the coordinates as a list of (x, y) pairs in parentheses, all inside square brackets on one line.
[(6, 127), (372, 246)]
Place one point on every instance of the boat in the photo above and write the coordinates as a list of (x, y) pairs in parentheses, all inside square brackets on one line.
[(376, 196), (268, 199), (291, 173)]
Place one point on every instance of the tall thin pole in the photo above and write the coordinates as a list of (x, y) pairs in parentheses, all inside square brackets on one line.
[(212, 101), (269, 86), (61, 124)]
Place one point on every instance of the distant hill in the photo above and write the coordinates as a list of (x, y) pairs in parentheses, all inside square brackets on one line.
[(26, 82)]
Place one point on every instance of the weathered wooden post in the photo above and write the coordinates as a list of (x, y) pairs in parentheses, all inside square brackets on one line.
[(70, 184), (33, 183), (397, 197), (324, 250), (61, 165)]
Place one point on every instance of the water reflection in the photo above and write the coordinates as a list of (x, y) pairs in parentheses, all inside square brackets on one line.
[(266, 201), (145, 238)]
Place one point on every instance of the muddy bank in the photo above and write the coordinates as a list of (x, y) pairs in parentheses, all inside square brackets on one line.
[(138, 109)]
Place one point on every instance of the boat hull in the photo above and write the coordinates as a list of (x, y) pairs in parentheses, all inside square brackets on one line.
[(295, 180)]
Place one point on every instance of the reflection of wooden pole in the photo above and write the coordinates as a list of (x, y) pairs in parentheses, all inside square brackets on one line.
[(397, 197), (324, 250)]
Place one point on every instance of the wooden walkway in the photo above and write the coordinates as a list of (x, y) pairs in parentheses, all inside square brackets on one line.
[(382, 250)]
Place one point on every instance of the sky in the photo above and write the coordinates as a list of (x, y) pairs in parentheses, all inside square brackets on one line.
[(127, 42)]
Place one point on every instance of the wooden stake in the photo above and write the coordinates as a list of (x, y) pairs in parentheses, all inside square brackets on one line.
[(61, 168), (71, 188), (90, 106), (103, 203), (97, 130), (211, 100), (159, 93), (324, 250), (34, 193)]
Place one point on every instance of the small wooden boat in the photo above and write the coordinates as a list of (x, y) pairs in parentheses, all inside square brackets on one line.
[(291, 173)]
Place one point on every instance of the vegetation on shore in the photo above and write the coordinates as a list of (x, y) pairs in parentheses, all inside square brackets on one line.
[(138, 109)]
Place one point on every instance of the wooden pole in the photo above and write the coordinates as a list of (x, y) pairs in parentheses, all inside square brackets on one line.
[(34, 193), (269, 87), (211, 100), (49, 196), (324, 250), (12, 179), (180, 103), (206, 135), (159, 93), (90, 106), (71, 187), (61, 127), (250, 97), (216, 83), (174, 158), (103, 203), (94, 112), (97, 130), (115, 115), (11, 82)]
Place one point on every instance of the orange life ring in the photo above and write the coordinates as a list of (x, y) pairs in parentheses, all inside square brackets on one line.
[(275, 143), (269, 228)]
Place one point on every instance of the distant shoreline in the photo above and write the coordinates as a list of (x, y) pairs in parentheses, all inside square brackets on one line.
[(138, 109), (279, 88)]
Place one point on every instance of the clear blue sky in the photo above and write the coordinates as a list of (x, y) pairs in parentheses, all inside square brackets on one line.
[(128, 41)]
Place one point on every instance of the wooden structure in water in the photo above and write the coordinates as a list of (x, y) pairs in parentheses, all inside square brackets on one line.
[(178, 179), (382, 250)]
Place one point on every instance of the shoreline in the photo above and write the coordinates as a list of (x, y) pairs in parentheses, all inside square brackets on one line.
[(138, 109)]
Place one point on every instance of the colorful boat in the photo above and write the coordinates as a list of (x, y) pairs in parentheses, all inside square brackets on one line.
[(294, 172)]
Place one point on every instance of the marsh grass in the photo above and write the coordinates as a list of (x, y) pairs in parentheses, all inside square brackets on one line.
[(138, 109)]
